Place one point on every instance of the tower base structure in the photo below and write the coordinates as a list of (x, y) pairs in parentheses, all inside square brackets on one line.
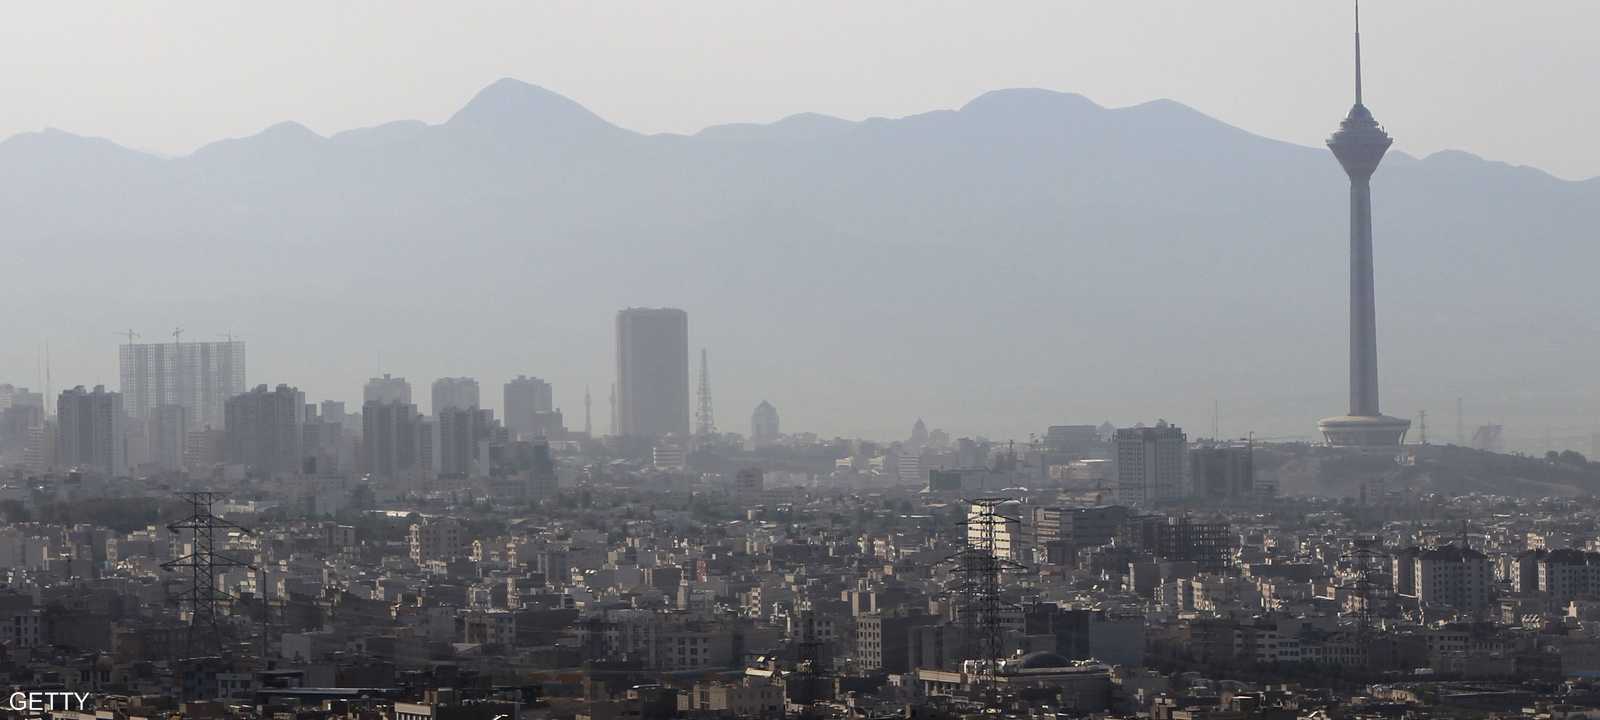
[(1364, 431)]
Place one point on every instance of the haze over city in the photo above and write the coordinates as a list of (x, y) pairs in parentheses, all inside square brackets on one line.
[(208, 73), (811, 361)]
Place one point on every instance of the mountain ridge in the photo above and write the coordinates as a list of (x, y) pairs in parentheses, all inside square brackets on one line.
[(1126, 263), (527, 101)]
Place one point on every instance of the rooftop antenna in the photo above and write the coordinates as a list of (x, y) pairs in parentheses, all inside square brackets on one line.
[(588, 430)]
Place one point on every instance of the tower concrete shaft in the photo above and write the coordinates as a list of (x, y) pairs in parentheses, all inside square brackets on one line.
[(1363, 303)]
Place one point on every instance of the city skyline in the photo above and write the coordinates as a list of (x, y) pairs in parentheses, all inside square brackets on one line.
[(1494, 392), (1014, 408)]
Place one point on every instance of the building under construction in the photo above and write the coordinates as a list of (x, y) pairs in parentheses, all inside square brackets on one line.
[(1207, 544), (196, 376)]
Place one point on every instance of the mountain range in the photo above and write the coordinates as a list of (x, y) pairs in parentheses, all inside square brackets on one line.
[(1029, 259)]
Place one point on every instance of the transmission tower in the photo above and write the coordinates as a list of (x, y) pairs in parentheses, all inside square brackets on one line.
[(202, 563), (705, 425), (978, 569)]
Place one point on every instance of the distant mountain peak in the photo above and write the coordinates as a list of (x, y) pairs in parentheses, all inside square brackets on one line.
[(1029, 100), (511, 104), (289, 129), (278, 138)]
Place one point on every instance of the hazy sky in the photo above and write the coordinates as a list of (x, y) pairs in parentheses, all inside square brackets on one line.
[(1509, 81)]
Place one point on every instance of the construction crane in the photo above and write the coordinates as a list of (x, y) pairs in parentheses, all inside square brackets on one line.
[(130, 334)]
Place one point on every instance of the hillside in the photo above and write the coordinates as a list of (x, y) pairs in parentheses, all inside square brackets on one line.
[(1028, 259)]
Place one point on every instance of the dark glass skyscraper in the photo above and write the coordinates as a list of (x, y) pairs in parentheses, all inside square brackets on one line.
[(652, 372)]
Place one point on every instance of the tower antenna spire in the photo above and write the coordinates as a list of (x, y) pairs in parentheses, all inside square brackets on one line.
[(1358, 51)]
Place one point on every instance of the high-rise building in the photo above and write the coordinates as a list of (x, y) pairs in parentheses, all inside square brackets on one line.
[(322, 438), (1455, 577), (387, 389), (542, 479), (393, 435), (1150, 463), (997, 529), (23, 412), (90, 433), (436, 539), (198, 376), (169, 436), (1567, 574), (1224, 472), (460, 393), (332, 411), (1072, 442), (919, 435), (1062, 531), (263, 431), (1359, 145), (764, 425), (428, 445), (458, 440), (203, 448), (21, 397), (1207, 543), (652, 371), (530, 409)]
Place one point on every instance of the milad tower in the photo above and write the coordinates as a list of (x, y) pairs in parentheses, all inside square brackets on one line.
[(1359, 144)]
